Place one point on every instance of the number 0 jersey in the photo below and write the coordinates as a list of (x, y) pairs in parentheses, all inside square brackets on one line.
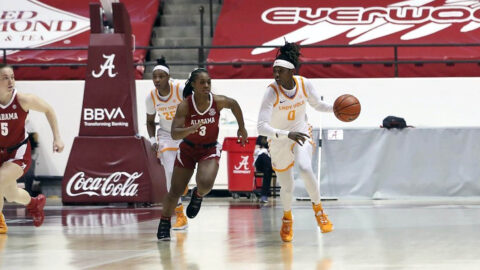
[(283, 110)]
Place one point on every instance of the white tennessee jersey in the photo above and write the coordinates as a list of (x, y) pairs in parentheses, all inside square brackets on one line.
[(283, 110), (165, 107)]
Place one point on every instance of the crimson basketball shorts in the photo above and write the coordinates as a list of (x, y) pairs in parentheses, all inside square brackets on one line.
[(21, 156), (188, 156)]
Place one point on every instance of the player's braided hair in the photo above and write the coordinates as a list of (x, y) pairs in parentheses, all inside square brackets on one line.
[(161, 61), (289, 52), (188, 90)]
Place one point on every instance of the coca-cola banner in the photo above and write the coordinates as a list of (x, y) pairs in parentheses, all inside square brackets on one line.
[(60, 23), (349, 22), (113, 169)]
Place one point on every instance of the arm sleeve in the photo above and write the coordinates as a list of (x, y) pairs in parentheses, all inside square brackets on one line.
[(265, 115), (314, 98), (149, 104)]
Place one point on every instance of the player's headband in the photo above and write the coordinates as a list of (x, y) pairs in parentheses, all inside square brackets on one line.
[(283, 63), (162, 68)]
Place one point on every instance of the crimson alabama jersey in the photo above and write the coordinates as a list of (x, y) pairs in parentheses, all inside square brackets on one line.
[(208, 133), (12, 123)]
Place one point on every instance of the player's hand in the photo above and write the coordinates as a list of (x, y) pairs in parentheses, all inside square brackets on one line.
[(195, 127), (298, 137), (154, 147), (242, 136), (58, 145)]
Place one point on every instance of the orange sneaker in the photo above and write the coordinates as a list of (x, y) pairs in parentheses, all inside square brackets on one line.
[(322, 219), (286, 232), (181, 222), (35, 209), (3, 225)]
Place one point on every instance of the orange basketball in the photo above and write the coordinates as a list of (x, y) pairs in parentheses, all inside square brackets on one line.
[(346, 108)]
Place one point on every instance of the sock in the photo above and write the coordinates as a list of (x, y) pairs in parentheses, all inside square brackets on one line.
[(317, 207), (287, 215)]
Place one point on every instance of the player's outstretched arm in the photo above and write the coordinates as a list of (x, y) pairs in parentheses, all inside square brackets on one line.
[(179, 131), (315, 100), (232, 104), (32, 102)]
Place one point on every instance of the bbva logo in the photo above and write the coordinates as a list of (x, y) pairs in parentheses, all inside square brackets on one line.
[(98, 114)]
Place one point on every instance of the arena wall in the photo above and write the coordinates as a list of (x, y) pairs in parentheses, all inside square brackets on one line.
[(423, 102)]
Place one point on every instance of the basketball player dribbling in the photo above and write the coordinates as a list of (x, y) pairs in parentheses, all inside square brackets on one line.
[(196, 122), (163, 100), (283, 119), (15, 156)]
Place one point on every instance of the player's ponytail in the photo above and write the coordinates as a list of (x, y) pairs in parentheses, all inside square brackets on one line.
[(161, 61), (188, 90), (289, 52)]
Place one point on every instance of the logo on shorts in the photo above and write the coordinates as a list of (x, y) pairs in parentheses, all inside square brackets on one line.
[(23, 166), (212, 112), (243, 166)]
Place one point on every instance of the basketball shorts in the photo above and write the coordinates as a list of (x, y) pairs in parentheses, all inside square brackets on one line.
[(188, 157), (21, 156), (281, 152), (165, 142)]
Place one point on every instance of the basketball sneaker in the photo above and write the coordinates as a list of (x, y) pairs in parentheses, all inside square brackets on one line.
[(181, 222), (264, 199), (163, 232), (3, 225), (322, 218), (194, 206), (286, 232), (35, 209)]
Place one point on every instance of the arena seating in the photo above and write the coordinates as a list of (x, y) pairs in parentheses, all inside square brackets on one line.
[(59, 23)]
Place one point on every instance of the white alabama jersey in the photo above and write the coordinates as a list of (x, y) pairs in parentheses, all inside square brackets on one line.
[(166, 108), (289, 113)]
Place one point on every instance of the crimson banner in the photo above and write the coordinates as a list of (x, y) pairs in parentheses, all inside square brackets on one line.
[(60, 23), (109, 162), (348, 22), (113, 169)]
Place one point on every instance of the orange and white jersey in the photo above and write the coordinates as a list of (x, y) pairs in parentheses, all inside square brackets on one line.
[(284, 110), (165, 107)]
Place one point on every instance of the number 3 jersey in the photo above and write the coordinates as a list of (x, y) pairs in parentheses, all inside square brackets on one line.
[(12, 123), (208, 132)]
